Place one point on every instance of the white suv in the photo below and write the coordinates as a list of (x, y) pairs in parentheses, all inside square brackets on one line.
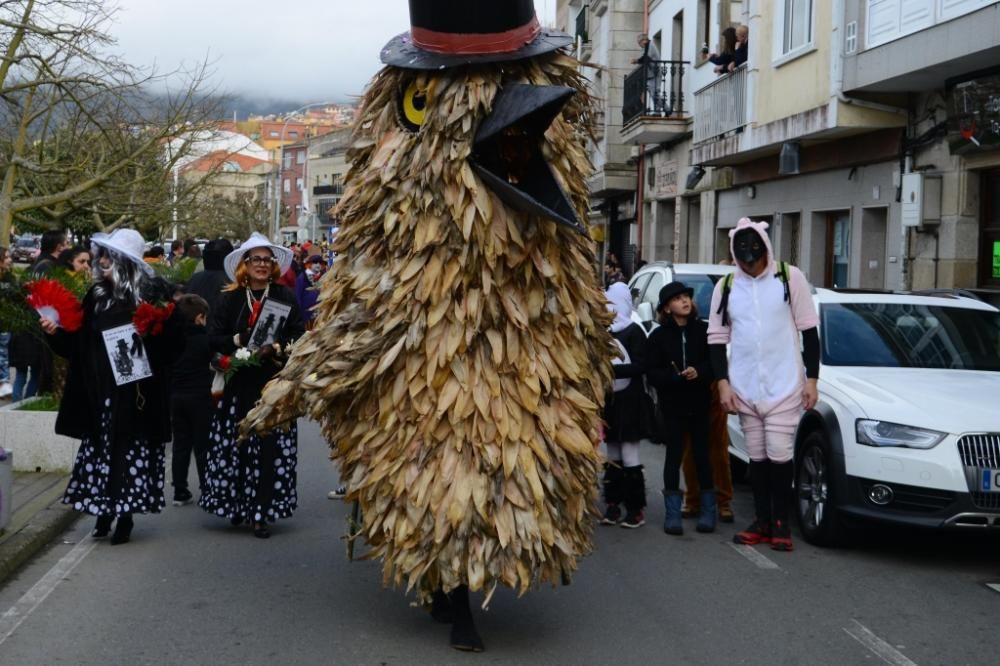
[(907, 429), (648, 280)]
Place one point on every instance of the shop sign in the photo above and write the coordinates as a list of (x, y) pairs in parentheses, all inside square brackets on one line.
[(974, 116), (665, 183)]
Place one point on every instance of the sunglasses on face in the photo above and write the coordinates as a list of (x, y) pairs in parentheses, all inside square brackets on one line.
[(259, 261)]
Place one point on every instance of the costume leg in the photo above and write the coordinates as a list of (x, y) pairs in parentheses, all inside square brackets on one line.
[(184, 433), (718, 454), (780, 426), (752, 424), (635, 487), (698, 427), (690, 508), (463, 631)]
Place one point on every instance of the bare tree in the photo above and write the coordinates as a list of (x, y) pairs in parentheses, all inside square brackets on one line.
[(82, 133)]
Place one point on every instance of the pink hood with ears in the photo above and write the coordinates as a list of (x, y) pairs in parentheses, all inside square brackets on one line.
[(761, 229)]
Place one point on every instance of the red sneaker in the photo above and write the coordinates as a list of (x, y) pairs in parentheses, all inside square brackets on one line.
[(758, 532), (781, 537)]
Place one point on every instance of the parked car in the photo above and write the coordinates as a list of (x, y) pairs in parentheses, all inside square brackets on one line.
[(26, 249), (648, 280), (907, 428)]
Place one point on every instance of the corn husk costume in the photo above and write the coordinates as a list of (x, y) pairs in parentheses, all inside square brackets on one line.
[(461, 353)]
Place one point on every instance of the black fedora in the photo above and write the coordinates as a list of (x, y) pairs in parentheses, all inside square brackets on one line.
[(450, 33), (670, 291)]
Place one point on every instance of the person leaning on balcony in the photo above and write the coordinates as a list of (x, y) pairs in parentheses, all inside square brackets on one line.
[(742, 47), (726, 53), (650, 56)]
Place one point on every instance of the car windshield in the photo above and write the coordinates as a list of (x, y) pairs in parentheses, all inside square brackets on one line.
[(703, 286), (907, 335), (27, 242)]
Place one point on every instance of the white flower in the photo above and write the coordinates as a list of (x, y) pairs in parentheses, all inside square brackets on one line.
[(242, 354)]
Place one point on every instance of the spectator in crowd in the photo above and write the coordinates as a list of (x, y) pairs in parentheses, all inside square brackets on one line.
[(624, 483), (727, 51), (154, 255), (307, 289), (742, 47), (52, 244), (209, 282), (176, 252), (6, 279), (76, 260)]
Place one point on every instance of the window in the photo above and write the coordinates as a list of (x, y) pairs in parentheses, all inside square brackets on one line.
[(298, 184), (652, 293), (851, 37), (300, 157), (274, 134), (288, 161), (704, 18), (293, 134), (797, 25), (287, 186)]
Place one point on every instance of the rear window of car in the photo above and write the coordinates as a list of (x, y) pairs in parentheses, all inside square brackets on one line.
[(703, 286), (908, 335), (27, 242)]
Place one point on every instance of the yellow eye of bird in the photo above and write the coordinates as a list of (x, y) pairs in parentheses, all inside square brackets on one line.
[(413, 106)]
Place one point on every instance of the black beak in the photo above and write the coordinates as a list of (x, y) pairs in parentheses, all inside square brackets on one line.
[(507, 152)]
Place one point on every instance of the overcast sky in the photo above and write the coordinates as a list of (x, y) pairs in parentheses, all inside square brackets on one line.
[(323, 50)]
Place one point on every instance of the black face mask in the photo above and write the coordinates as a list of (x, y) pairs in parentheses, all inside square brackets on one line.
[(748, 246)]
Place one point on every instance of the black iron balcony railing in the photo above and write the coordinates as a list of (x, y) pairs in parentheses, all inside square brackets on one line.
[(581, 25), (336, 188), (654, 88)]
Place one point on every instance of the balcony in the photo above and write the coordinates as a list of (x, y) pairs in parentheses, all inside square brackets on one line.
[(653, 103), (328, 190), (917, 45), (720, 107)]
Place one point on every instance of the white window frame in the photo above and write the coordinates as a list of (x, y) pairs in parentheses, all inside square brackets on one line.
[(779, 55), (287, 187), (288, 160), (300, 157), (299, 184)]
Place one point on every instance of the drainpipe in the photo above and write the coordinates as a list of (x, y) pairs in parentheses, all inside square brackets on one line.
[(641, 176)]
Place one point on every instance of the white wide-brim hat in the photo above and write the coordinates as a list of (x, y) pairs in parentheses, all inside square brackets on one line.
[(257, 239), (127, 243)]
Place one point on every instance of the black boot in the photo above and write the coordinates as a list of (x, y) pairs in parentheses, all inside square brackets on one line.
[(759, 530), (102, 526), (782, 496), (635, 497), (123, 530), (613, 495), (463, 632)]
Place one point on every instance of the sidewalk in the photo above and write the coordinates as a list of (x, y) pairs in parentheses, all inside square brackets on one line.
[(38, 518)]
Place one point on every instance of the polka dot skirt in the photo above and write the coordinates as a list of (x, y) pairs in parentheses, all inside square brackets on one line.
[(254, 480), (115, 480)]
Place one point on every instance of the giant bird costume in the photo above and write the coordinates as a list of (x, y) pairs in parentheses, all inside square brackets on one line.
[(461, 354)]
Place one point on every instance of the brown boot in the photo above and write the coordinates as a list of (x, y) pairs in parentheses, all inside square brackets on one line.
[(726, 513)]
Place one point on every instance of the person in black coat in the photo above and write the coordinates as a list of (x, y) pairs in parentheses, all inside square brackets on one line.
[(679, 369), (120, 416), (209, 283), (623, 477), (254, 480)]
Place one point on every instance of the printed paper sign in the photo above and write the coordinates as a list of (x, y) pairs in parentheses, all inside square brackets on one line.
[(272, 318), (126, 354)]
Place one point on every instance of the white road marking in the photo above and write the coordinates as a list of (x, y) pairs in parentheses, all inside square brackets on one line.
[(34, 597), (994, 586), (754, 556), (876, 645)]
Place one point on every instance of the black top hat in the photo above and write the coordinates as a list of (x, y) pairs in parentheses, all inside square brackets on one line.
[(671, 290), (449, 33)]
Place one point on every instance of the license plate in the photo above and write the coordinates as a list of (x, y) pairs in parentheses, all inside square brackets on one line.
[(989, 481)]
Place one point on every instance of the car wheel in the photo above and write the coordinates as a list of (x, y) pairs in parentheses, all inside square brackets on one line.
[(818, 517)]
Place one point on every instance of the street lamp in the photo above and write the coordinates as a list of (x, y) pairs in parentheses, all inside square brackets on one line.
[(281, 163)]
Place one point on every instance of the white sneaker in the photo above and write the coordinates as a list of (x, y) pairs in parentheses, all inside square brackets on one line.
[(338, 493), (6, 390)]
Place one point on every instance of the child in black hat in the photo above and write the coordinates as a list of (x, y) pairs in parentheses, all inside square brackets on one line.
[(678, 367)]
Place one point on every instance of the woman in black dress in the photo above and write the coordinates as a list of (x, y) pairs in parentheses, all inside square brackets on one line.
[(623, 479), (253, 480), (118, 413)]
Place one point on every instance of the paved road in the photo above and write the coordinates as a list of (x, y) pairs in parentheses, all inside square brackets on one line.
[(191, 590)]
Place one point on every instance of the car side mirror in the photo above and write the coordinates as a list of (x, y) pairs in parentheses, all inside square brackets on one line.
[(645, 311)]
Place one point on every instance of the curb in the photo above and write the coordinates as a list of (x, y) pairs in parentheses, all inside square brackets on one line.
[(44, 527)]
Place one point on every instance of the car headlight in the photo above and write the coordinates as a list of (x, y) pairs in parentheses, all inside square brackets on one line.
[(883, 433)]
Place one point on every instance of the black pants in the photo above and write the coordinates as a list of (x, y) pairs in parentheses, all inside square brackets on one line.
[(675, 426), (191, 417)]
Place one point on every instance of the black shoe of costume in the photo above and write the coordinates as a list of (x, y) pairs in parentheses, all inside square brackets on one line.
[(102, 527), (441, 608), (260, 531), (465, 638), (182, 496), (123, 530)]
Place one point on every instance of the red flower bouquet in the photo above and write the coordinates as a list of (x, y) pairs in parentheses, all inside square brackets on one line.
[(148, 318), (52, 300)]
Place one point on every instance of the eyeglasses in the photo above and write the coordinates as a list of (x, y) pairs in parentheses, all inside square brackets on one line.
[(259, 261)]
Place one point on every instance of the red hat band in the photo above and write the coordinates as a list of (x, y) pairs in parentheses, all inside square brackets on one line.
[(476, 43)]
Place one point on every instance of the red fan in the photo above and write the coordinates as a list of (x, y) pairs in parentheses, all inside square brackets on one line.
[(52, 300)]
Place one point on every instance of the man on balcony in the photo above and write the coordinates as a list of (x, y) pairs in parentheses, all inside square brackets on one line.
[(650, 60)]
